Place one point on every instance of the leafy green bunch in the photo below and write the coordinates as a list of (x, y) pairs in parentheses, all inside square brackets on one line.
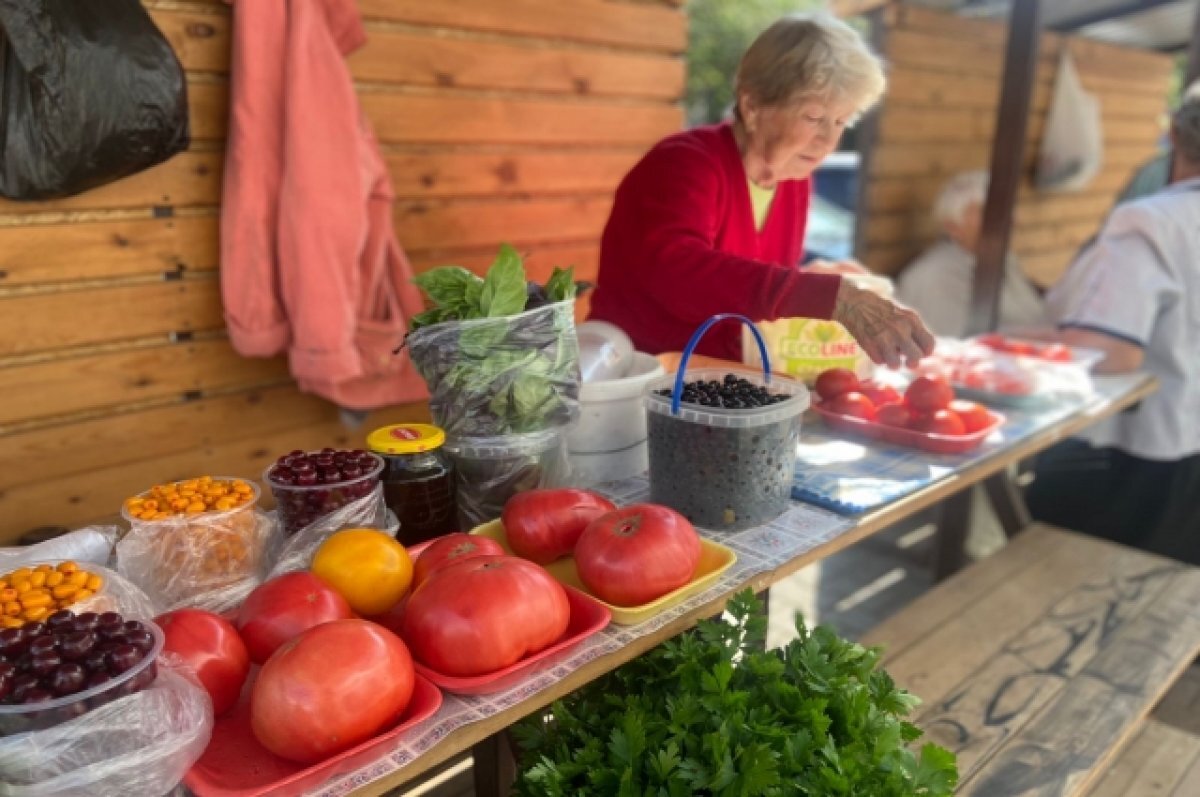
[(711, 713), (498, 353)]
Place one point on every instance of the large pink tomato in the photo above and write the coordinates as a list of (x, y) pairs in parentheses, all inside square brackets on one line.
[(637, 554), (543, 525), (484, 614), (330, 688)]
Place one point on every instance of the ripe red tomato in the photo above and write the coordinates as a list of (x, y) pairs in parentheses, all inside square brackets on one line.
[(928, 394), (484, 614), (879, 394), (452, 548), (543, 525), (834, 382), (332, 687), (1056, 352), (284, 608), (854, 404), (973, 416), (940, 422), (211, 646), (895, 414), (636, 554)]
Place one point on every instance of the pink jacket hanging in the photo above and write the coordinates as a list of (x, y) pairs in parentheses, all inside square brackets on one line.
[(310, 264)]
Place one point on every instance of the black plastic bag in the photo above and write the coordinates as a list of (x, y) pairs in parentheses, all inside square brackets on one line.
[(90, 92)]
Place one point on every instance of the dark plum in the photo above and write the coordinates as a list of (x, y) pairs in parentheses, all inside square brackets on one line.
[(46, 643), (14, 641), (88, 621), (37, 695), (67, 679), (62, 620), (42, 664), (78, 644), (123, 657), (21, 686)]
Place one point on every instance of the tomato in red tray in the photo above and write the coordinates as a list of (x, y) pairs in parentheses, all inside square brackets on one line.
[(879, 394), (330, 688), (1056, 352), (894, 414), (854, 404), (637, 554), (834, 382), (928, 394), (973, 416), (211, 646), (543, 525), (483, 614), (940, 422), (449, 549), (285, 607)]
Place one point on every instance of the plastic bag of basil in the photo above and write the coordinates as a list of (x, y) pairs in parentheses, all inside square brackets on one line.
[(501, 360)]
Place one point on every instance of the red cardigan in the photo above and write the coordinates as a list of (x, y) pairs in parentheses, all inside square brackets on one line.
[(681, 245)]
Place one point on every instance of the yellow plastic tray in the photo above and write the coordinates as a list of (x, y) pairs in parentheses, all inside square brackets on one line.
[(715, 559)]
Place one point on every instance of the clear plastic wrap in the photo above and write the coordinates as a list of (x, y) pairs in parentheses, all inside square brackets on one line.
[(981, 373), (118, 594), (210, 560), (287, 553), (92, 544), (490, 470), (491, 377), (141, 744)]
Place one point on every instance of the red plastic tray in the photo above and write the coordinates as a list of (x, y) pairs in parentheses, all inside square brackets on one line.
[(235, 765), (588, 617), (925, 441)]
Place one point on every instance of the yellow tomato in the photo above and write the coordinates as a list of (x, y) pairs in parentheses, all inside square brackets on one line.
[(367, 567)]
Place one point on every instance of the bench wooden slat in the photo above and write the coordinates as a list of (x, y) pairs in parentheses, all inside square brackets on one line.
[(1161, 761), (1037, 663)]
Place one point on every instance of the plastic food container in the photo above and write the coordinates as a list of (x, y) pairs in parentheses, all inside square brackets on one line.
[(299, 506), (493, 469), (176, 556), (723, 469), (418, 480), (610, 441), (715, 559), (911, 438), (22, 718), (804, 347)]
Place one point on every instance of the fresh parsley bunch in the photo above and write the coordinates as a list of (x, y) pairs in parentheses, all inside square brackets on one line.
[(711, 713)]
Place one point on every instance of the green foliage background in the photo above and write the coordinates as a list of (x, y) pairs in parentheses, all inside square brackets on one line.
[(720, 31)]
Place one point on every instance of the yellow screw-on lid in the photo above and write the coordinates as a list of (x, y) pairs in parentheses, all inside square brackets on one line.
[(406, 438)]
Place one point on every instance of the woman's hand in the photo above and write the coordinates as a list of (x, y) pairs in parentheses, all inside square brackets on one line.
[(890, 333), (820, 266)]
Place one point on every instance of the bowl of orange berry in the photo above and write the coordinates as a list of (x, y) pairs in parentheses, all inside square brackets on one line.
[(191, 536), (34, 591)]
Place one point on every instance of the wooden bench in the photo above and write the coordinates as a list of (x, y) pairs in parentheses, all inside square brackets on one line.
[(1038, 664)]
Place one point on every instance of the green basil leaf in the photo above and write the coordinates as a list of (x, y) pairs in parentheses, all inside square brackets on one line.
[(504, 286), (561, 285), (448, 286)]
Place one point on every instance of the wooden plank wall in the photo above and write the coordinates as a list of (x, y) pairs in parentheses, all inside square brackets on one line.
[(938, 118), (502, 120)]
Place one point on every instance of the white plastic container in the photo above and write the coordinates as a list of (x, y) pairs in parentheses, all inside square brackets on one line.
[(610, 441)]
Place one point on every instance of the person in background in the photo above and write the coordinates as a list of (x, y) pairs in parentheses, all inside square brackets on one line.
[(1134, 294), (938, 283), (1154, 174), (712, 220)]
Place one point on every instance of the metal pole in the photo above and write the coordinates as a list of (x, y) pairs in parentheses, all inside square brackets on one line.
[(867, 137), (1008, 152)]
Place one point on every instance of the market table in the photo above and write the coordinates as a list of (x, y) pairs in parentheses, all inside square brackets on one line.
[(801, 536)]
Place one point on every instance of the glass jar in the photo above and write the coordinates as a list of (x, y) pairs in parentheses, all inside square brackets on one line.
[(418, 479)]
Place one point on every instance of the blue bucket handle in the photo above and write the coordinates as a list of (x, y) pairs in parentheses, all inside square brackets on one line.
[(695, 341)]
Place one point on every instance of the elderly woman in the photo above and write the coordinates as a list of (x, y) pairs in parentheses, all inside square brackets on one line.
[(712, 220), (938, 283)]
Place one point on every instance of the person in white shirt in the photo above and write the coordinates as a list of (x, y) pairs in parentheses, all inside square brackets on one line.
[(1134, 293), (938, 283)]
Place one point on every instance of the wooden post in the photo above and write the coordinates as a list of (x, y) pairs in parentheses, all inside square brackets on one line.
[(1192, 72), (1008, 151), (867, 138)]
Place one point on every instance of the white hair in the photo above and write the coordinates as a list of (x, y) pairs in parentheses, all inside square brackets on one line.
[(958, 194), (810, 55)]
